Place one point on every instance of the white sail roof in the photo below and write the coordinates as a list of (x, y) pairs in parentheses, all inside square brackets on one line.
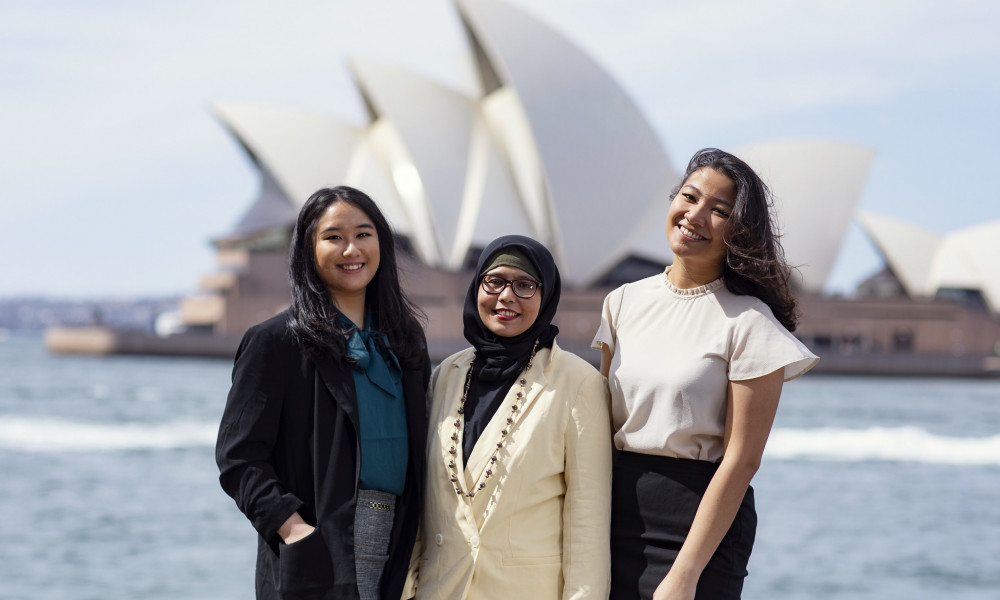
[(816, 186), (554, 149), (299, 153), (446, 143), (303, 152), (908, 249), (926, 262), (594, 146), (367, 170), (967, 259)]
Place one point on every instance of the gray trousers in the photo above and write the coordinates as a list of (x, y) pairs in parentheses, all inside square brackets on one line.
[(373, 520)]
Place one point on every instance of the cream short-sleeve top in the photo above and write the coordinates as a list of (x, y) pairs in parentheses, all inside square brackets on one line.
[(674, 352)]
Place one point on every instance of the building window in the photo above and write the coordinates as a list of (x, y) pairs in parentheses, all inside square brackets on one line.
[(902, 340), (822, 341)]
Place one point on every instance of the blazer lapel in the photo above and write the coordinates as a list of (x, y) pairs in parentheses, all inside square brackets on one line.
[(451, 447), (339, 382)]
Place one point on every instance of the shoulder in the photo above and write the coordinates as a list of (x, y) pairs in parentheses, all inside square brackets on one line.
[(581, 387), (628, 296), (641, 293), (567, 365), (270, 337), (646, 284), (748, 311), (760, 344), (274, 327), (447, 372), (458, 359), (452, 366), (268, 355), (565, 360)]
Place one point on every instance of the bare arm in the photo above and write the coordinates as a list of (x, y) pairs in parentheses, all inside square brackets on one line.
[(749, 415), (605, 360)]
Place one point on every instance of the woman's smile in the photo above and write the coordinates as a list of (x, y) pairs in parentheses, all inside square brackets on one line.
[(691, 234), (696, 226), (346, 248), (506, 314)]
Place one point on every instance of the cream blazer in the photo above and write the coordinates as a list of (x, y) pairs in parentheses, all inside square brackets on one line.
[(540, 527)]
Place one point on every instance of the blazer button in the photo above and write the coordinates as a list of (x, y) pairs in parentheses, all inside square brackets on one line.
[(439, 539), (474, 540)]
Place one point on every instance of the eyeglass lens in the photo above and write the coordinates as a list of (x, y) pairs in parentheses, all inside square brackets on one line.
[(523, 288)]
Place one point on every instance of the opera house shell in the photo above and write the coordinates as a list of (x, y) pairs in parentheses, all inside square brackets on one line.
[(553, 148)]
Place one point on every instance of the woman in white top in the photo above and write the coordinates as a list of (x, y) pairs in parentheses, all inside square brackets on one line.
[(696, 357)]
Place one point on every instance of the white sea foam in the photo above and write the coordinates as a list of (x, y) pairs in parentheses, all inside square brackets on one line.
[(55, 435), (908, 444)]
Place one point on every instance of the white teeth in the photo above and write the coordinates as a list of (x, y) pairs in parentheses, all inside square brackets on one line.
[(690, 233), (351, 267), (507, 313)]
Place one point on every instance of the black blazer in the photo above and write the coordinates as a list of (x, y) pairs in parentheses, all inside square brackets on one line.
[(289, 442)]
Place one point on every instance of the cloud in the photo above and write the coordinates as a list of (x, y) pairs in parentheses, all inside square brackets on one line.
[(734, 60), (103, 110)]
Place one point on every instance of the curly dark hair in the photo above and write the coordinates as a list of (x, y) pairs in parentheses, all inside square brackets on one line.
[(755, 261), (312, 315)]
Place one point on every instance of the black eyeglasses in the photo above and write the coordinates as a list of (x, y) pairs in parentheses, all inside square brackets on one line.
[(523, 288)]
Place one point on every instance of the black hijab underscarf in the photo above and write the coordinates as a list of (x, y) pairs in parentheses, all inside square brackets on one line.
[(500, 360)]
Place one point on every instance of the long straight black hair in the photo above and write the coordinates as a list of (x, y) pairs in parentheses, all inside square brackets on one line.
[(755, 261), (312, 314)]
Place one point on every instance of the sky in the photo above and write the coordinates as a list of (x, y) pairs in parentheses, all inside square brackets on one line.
[(114, 176)]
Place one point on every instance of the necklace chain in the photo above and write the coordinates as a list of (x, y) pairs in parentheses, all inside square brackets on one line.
[(495, 456)]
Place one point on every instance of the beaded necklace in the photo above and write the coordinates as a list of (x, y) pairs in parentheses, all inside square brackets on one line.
[(518, 401)]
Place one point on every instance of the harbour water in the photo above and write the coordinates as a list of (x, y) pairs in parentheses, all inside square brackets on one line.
[(871, 487)]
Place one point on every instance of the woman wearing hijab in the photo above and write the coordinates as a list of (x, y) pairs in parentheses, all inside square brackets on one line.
[(519, 447), (323, 435)]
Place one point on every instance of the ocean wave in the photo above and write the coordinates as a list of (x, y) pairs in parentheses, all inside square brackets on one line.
[(904, 444), (55, 435)]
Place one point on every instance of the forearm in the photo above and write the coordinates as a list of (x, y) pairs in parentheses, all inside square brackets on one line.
[(714, 517), (749, 415)]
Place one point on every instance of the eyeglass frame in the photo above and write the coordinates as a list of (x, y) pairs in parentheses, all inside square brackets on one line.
[(508, 282)]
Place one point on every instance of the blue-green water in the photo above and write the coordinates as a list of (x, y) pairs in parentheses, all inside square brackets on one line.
[(871, 487)]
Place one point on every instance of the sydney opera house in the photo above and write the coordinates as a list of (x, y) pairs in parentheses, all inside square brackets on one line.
[(552, 147)]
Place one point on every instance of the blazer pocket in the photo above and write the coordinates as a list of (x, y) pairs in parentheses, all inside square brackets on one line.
[(528, 561), (305, 567)]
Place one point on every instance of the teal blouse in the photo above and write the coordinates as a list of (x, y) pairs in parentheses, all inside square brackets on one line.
[(381, 409)]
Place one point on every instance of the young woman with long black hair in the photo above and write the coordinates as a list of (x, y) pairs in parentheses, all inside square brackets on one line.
[(323, 436)]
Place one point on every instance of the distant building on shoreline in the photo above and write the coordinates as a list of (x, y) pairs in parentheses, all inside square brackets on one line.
[(551, 147)]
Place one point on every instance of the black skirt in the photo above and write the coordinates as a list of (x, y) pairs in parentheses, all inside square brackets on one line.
[(653, 503)]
